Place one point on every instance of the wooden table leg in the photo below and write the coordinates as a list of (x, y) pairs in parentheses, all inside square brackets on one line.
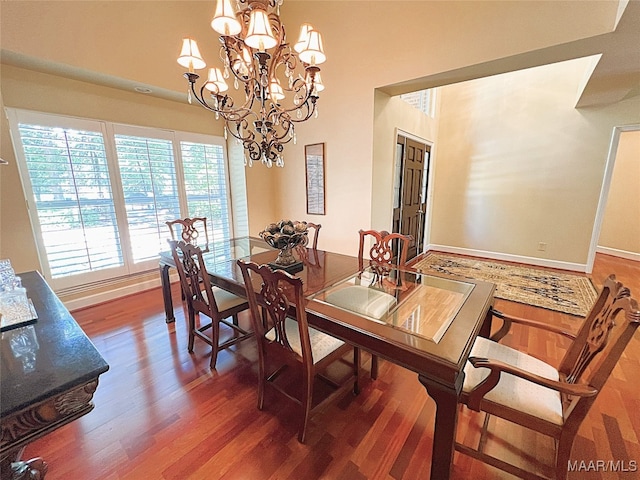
[(485, 330), (166, 293), (444, 433)]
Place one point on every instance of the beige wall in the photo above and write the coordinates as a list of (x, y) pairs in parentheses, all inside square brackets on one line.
[(621, 223), (16, 237), (517, 164), (31, 90), (391, 115), (412, 40), (395, 45)]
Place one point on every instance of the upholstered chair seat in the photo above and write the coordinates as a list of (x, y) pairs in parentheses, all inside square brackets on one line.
[(514, 392), (225, 300), (322, 345)]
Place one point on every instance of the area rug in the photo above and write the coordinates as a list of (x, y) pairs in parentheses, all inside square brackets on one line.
[(563, 292)]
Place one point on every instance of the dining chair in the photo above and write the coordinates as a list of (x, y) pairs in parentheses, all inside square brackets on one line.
[(524, 390), (190, 230), (288, 346), (205, 299), (386, 250), (311, 260), (316, 231)]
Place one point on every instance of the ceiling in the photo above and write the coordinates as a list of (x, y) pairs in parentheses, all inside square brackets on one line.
[(615, 76), (616, 73)]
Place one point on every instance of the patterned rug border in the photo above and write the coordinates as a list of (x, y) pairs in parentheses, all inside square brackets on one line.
[(558, 291)]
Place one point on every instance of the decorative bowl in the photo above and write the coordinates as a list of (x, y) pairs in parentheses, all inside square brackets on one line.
[(284, 236)]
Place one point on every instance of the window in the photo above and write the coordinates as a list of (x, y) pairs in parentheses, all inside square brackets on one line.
[(150, 188), (74, 202), (205, 185), (100, 193), (423, 100)]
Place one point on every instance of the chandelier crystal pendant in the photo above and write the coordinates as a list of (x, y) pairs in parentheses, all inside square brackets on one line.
[(280, 82)]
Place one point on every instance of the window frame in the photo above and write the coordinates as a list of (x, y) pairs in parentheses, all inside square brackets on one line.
[(108, 130)]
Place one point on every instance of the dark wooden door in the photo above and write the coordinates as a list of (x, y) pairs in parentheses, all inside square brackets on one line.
[(409, 217)]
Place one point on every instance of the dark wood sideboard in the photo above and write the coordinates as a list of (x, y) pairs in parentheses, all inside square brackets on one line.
[(48, 374)]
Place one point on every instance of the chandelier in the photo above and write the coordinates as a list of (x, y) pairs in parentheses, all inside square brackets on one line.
[(280, 82)]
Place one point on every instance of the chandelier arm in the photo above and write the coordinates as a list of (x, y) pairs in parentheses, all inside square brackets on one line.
[(311, 109), (298, 85), (192, 77), (285, 129), (249, 142), (235, 45)]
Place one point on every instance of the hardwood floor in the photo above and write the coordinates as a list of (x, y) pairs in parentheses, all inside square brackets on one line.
[(161, 413)]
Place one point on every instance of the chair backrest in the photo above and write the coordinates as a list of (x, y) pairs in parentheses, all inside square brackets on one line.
[(387, 248), (190, 230), (316, 231), (600, 334), (312, 260), (600, 341), (278, 291), (194, 278)]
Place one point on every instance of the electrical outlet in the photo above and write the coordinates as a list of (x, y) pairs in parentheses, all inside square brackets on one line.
[(542, 247)]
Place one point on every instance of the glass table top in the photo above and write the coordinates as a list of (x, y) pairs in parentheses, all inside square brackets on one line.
[(235, 248), (420, 304)]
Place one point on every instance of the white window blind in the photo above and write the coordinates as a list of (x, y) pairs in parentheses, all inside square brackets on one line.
[(205, 185), (99, 193), (205, 176), (71, 188), (150, 187)]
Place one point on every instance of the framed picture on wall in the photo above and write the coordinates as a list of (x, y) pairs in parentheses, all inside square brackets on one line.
[(314, 168)]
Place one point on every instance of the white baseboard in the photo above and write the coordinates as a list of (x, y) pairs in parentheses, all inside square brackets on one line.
[(540, 262), (619, 253)]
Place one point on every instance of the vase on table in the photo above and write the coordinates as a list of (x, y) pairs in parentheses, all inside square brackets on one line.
[(285, 236)]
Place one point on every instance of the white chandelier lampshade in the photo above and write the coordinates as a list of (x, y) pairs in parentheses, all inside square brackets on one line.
[(313, 52), (260, 36), (215, 81), (303, 38), (276, 84), (190, 55), (224, 19)]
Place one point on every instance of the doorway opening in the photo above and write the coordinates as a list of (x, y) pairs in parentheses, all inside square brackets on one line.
[(410, 189)]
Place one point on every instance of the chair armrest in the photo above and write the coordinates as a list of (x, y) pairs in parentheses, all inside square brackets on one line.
[(497, 367), (507, 320)]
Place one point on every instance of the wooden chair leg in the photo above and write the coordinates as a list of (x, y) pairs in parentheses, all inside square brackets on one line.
[(262, 380), (356, 368), (374, 367), (306, 406), (215, 341), (235, 322), (563, 455), (191, 325)]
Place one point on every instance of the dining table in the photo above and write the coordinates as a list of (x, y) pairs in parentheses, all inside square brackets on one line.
[(426, 323)]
